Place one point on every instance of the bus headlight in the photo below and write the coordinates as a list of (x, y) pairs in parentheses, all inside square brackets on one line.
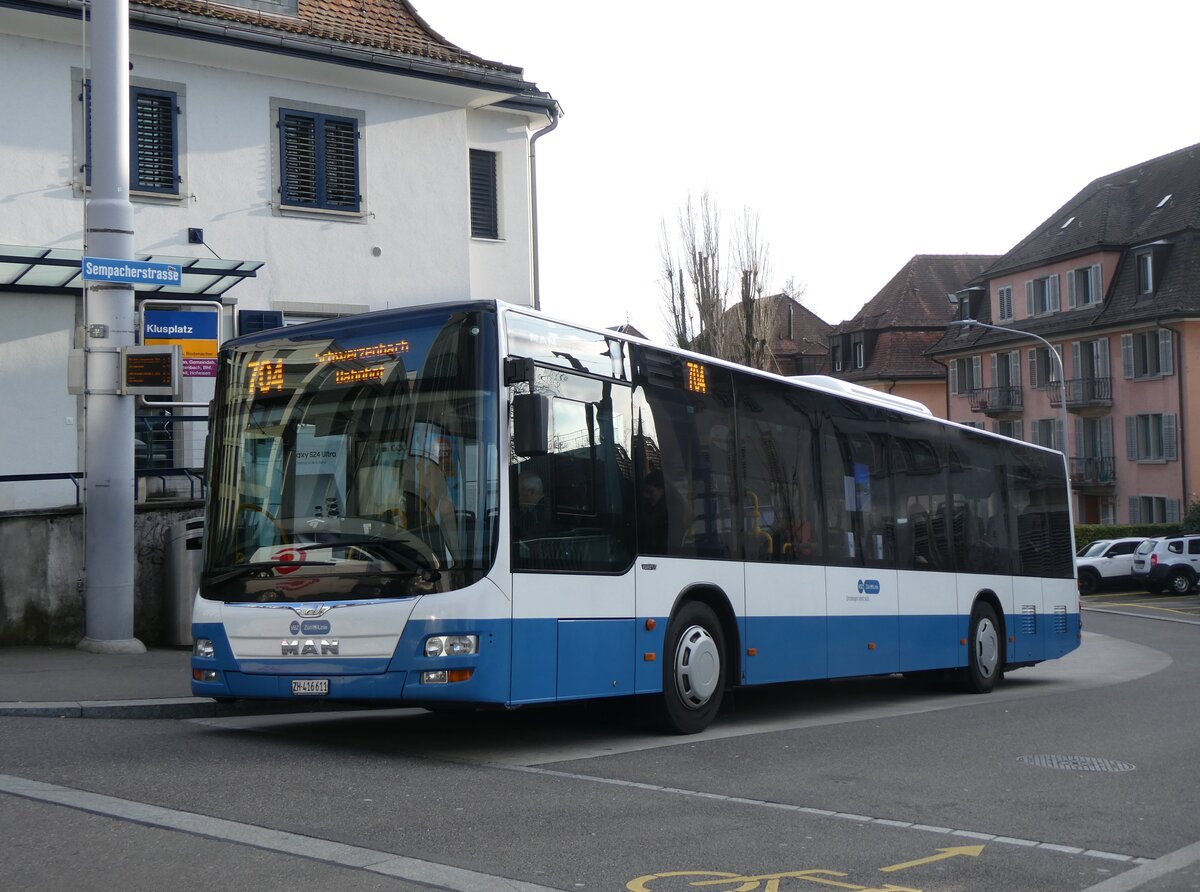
[(203, 648), (451, 645)]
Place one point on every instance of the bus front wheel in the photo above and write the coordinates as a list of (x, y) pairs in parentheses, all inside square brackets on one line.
[(985, 660), (693, 670)]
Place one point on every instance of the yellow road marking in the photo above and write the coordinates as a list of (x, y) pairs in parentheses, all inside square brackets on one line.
[(971, 851), (769, 882)]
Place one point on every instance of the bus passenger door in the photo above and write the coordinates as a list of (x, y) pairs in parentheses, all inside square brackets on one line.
[(573, 544)]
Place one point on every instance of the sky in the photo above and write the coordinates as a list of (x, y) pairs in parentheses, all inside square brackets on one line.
[(860, 133)]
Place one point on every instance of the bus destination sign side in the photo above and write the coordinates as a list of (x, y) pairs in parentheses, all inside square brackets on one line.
[(131, 272)]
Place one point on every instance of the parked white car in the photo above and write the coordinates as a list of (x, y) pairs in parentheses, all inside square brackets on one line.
[(1106, 562)]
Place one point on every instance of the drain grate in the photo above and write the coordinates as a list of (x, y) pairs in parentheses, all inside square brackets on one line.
[(1076, 763)]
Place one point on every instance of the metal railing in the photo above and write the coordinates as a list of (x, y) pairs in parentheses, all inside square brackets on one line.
[(1099, 471), (193, 479), (1082, 392), (996, 399)]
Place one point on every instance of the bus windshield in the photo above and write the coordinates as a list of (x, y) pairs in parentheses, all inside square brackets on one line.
[(354, 460)]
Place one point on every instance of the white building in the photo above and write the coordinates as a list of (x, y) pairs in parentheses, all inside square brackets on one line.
[(337, 157)]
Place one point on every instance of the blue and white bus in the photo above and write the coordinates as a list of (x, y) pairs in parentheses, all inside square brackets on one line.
[(476, 504)]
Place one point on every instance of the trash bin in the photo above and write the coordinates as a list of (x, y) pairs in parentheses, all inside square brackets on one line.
[(183, 546)]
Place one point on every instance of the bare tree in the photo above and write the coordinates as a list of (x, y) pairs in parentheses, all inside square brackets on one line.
[(701, 317)]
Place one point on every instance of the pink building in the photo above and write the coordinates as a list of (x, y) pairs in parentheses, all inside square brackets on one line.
[(1112, 282)]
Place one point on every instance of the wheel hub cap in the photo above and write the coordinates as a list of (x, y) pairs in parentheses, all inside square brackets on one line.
[(697, 666), (987, 648)]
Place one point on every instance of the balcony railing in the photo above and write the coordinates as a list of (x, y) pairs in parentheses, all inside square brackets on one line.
[(1100, 471), (1084, 393), (996, 400)]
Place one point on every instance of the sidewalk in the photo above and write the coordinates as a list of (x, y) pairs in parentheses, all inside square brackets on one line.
[(68, 683)]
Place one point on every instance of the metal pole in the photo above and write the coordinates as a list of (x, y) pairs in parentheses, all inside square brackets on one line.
[(109, 309)]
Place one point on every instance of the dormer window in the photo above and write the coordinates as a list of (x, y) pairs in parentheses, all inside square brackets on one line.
[(860, 359), (1145, 273)]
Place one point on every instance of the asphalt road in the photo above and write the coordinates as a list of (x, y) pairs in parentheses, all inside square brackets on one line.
[(1074, 775)]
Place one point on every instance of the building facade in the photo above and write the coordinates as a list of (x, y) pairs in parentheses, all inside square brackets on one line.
[(299, 158), (1095, 342), (883, 347)]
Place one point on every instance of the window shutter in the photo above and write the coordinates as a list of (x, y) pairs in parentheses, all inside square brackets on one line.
[(1052, 284), (1131, 444), (1076, 360), (1033, 375), (1172, 510), (1101, 348), (258, 320), (1080, 449), (1170, 450), (1020, 430), (1029, 297), (341, 163), (952, 369), (995, 371), (298, 159), (485, 221), (1166, 351), (1060, 436), (153, 159), (1056, 366), (1135, 515), (976, 372), (1071, 290), (1096, 283), (1014, 368), (1127, 354), (1106, 436), (318, 161)]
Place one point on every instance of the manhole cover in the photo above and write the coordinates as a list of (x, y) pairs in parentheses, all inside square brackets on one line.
[(1076, 763)]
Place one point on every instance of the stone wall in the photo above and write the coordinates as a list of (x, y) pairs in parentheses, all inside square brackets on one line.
[(41, 572)]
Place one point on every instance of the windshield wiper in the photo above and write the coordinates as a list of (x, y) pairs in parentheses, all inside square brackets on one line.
[(227, 573)]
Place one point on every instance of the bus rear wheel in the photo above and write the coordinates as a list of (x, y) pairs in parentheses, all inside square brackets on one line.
[(693, 670), (985, 659)]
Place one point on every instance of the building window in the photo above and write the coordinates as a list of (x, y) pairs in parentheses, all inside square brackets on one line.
[(966, 374), (1041, 296), (1043, 368), (1085, 286), (1145, 273), (1006, 302), (1148, 354), (1150, 437), (318, 161), (837, 358), (1048, 432), (859, 355), (1012, 429), (155, 142), (1153, 509), (485, 212)]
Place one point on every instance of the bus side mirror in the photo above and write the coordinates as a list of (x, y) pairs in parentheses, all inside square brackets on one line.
[(531, 424)]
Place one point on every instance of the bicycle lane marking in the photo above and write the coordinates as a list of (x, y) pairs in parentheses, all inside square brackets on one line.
[(768, 882)]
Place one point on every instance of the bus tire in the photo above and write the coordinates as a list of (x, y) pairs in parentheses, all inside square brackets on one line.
[(694, 670), (985, 655)]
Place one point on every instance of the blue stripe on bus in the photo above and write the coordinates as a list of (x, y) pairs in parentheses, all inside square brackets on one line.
[(546, 660)]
